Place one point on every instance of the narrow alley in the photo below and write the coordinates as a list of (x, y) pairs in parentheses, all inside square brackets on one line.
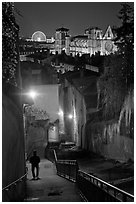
[(67, 102), (50, 187)]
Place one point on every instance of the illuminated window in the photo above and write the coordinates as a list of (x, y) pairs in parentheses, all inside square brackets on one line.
[(57, 35)]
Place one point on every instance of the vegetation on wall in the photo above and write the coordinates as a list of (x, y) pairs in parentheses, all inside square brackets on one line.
[(125, 42), (117, 79), (9, 44), (37, 113)]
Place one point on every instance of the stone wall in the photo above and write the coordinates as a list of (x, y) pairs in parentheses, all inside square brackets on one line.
[(13, 156), (104, 139), (36, 140), (115, 138), (72, 114)]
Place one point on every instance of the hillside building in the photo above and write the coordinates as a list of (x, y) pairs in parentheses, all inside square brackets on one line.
[(91, 42)]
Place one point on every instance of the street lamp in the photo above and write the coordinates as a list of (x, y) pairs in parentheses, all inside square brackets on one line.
[(32, 94), (70, 116), (62, 114), (70, 119)]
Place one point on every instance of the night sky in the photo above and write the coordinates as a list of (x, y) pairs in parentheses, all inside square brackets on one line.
[(76, 16)]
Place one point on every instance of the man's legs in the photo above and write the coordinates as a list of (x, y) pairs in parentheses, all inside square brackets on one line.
[(33, 173), (37, 172)]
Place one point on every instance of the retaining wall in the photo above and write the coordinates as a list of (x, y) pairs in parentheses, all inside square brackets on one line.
[(13, 156)]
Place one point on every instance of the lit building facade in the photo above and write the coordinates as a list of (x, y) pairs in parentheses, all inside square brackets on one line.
[(61, 36), (39, 42), (91, 42)]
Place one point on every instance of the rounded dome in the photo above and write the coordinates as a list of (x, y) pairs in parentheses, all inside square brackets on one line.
[(38, 36)]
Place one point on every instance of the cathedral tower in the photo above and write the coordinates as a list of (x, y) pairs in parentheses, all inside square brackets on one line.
[(60, 39)]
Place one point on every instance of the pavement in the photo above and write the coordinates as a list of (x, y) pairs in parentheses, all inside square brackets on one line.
[(53, 188), (50, 187)]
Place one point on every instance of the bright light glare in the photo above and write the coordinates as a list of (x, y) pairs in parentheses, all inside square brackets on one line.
[(60, 113), (32, 94), (38, 39), (70, 116)]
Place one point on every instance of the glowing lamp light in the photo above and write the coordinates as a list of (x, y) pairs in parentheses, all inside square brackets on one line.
[(60, 113), (70, 116), (32, 94)]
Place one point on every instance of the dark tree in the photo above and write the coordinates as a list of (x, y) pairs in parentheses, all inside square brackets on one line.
[(9, 44), (117, 79), (125, 33), (111, 87), (125, 42)]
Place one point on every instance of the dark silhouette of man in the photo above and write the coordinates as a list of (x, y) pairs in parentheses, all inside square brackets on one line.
[(35, 160)]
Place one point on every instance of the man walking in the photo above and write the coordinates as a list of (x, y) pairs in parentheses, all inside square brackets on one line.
[(35, 160)]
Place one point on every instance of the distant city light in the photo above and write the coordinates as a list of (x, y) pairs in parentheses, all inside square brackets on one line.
[(38, 39), (38, 36)]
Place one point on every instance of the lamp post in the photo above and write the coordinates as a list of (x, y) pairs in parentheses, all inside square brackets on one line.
[(32, 94)]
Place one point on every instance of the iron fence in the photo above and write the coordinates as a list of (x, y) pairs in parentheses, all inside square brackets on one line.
[(67, 169), (97, 190), (90, 187), (50, 154), (12, 192)]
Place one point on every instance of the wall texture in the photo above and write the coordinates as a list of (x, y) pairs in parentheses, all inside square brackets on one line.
[(36, 140), (104, 139), (113, 139), (47, 99), (72, 104), (13, 156)]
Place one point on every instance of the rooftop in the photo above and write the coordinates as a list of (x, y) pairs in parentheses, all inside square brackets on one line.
[(92, 28), (62, 29), (71, 75), (86, 84), (80, 36)]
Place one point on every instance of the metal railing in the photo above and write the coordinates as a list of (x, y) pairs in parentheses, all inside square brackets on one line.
[(67, 169), (95, 189), (55, 155), (91, 188), (51, 155), (11, 189)]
